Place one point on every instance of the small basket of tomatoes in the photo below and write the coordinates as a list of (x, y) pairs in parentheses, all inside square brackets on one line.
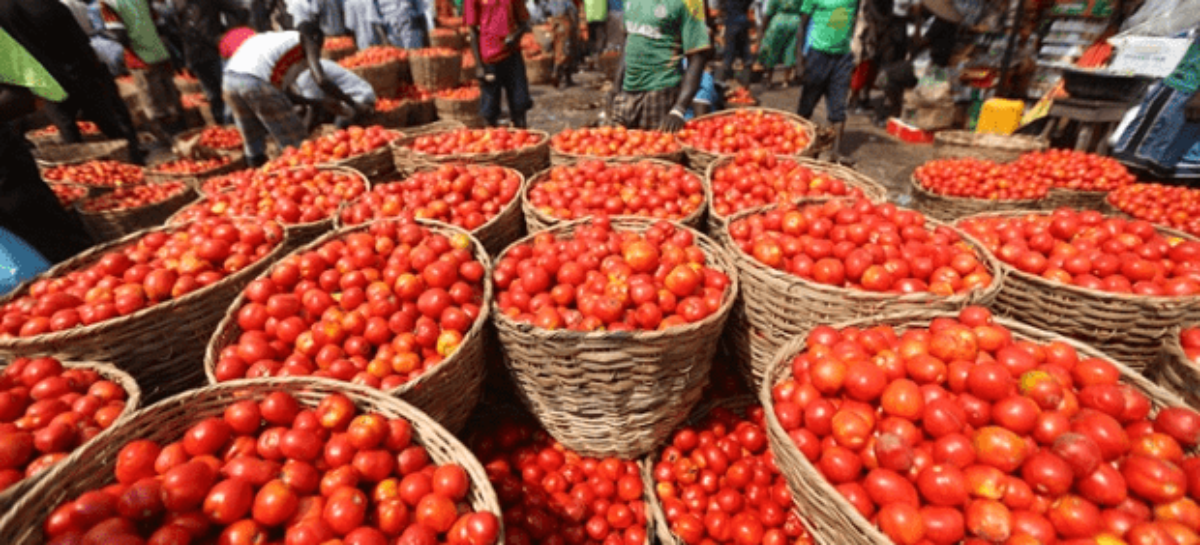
[(756, 177), (211, 139), (1077, 179), (436, 68), (364, 149), (1119, 285), (146, 303), (49, 135), (793, 279), (89, 398), (524, 150), (611, 367), (949, 189), (646, 188), (753, 502), (416, 334), (727, 132), (381, 66), (127, 209), (253, 461), (101, 176), (1179, 369), (194, 170), (337, 48), (962, 427), (458, 103), (613, 144)]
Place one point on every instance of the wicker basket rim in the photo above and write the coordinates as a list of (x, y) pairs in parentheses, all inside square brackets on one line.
[(998, 270), (79, 204), (538, 178), (916, 186), (405, 143), (715, 252), (476, 329), (233, 155), (1053, 286), (808, 126), (554, 148), (92, 151), (867, 184), (94, 254), (204, 196)]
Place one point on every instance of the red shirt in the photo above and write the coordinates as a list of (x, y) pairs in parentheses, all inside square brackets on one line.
[(495, 19)]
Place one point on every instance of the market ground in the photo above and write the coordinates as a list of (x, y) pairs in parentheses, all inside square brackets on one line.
[(876, 154)]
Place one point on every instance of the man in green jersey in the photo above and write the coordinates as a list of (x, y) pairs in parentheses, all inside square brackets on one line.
[(827, 67), (652, 89)]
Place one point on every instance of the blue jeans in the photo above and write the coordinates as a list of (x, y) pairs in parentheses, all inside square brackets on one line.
[(259, 108), (511, 79), (829, 76), (737, 43)]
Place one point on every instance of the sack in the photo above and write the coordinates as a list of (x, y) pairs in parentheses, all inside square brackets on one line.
[(933, 89)]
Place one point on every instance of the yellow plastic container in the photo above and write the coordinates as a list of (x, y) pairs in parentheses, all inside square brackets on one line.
[(1000, 116)]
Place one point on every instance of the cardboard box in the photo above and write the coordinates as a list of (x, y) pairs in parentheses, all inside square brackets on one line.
[(908, 133), (1146, 56)]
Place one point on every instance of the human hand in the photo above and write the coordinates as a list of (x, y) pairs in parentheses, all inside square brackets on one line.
[(673, 122)]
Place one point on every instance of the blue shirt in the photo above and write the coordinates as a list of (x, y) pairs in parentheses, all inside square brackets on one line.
[(707, 94), (18, 261), (361, 18)]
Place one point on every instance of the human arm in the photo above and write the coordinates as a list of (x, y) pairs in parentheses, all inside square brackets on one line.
[(482, 71), (801, 35), (696, 61), (513, 40), (311, 40)]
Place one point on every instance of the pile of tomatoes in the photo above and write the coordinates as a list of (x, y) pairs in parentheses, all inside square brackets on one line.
[(341, 144), (295, 196), (187, 166), (757, 177), (1075, 170), (160, 266), (1170, 205), (645, 188), (85, 128), (218, 184), (436, 52), (718, 483), (980, 179), (604, 277), (275, 470), (1089, 250), (740, 96), (861, 245), (97, 173), (374, 55), (125, 198), (68, 194), (221, 138), (552, 495), (613, 142), (47, 410), (458, 141), (464, 195), (379, 307), (463, 92), (412, 92), (1189, 338), (744, 130), (388, 104), (335, 43), (960, 432)]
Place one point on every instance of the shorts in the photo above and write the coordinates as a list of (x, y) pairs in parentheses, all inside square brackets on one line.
[(644, 109)]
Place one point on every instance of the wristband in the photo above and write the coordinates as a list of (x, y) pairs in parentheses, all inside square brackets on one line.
[(677, 112)]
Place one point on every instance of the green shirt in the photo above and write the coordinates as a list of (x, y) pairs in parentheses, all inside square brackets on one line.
[(135, 18), (20, 69), (1186, 76), (595, 10), (832, 24), (659, 33)]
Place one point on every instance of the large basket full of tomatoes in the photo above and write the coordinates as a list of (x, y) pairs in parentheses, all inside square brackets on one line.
[(939, 427), (194, 171), (1116, 284), (725, 133), (1077, 179), (526, 151), (459, 103), (648, 188), (147, 303), (291, 460), (305, 200), (100, 176), (734, 469), (337, 48), (1170, 205), (949, 189), (213, 138), (892, 260), (399, 305), (50, 409), (381, 66), (609, 328), (364, 149), (1179, 369), (486, 201), (756, 178), (436, 68), (127, 209), (613, 144)]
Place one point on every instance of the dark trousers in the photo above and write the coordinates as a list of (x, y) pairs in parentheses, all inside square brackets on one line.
[(826, 76), (209, 74), (737, 44), (29, 209), (511, 81), (101, 104), (597, 36)]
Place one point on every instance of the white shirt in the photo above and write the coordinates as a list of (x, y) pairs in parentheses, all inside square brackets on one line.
[(275, 57), (303, 11), (354, 86)]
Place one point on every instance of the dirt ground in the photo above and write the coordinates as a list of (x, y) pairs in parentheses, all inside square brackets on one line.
[(876, 154)]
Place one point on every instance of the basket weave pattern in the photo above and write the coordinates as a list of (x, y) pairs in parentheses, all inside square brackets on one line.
[(435, 73), (383, 77), (947, 208), (113, 224), (614, 393), (1177, 372)]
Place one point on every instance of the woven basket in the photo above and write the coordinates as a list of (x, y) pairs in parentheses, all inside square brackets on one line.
[(871, 189), (776, 305), (561, 157), (832, 518), (167, 421), (336, 55), (421, 112), (699, 159), (160, 346), (394, 118), (540, 70), (435, 73), (458, 110), (447, 393), (950, 209), (996, 147), (193, 133), (298, 234), (237, 162), (66, 154), (527, 160), (614, 393), (374, 164), (88, 192), (536, 221), (113, 224), (383, 77), (454, 40), (1177, 372), (133, 397), (1079, 200), (432, 127), (1129, 327), (44, 140)]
